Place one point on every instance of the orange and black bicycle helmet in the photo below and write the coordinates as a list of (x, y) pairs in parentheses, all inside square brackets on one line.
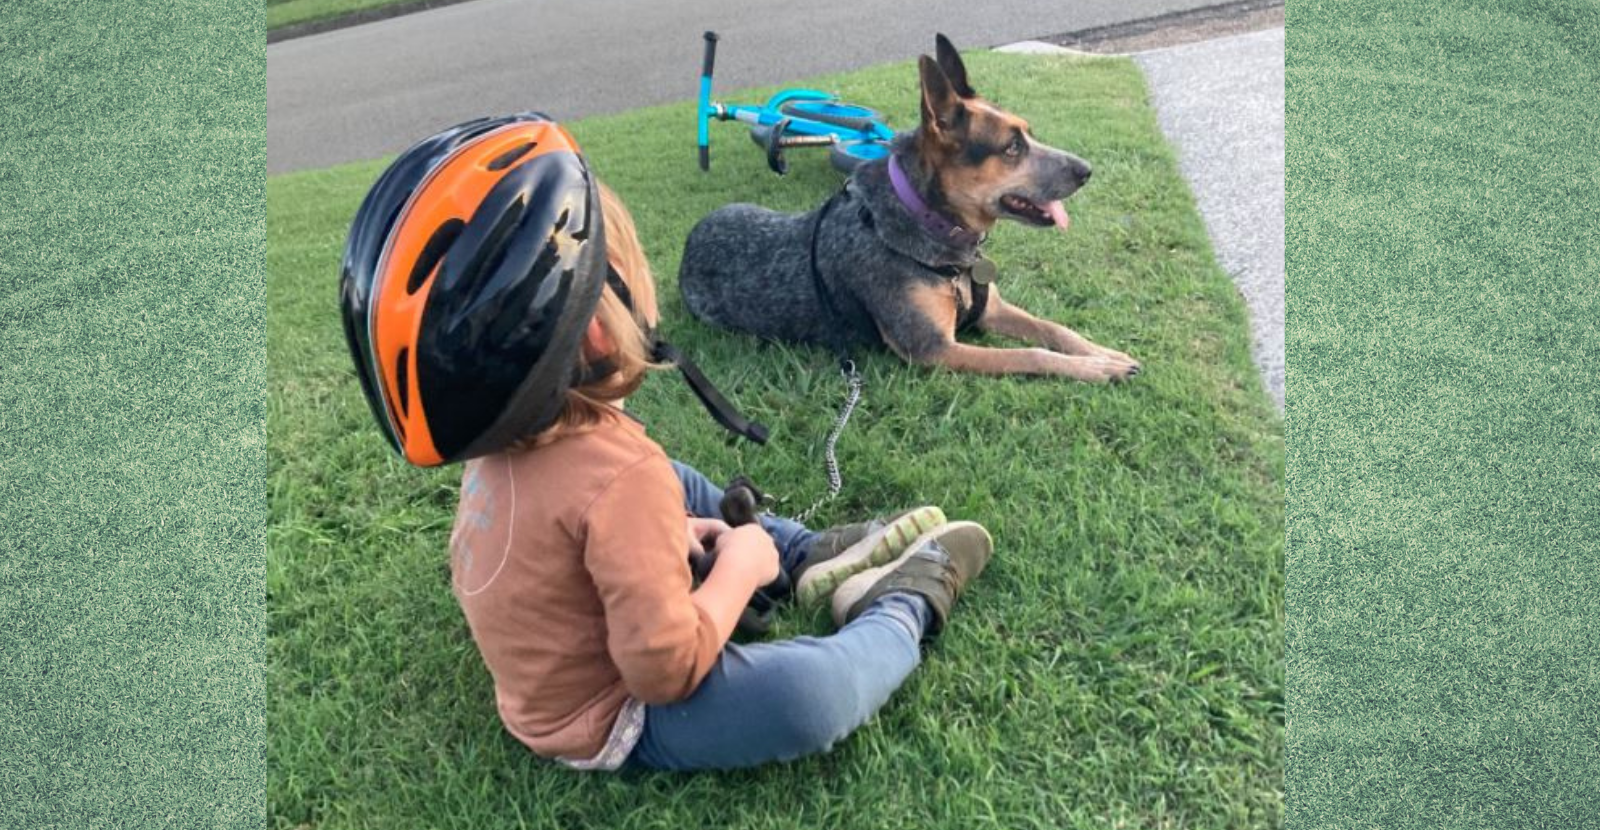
[(471, 271)]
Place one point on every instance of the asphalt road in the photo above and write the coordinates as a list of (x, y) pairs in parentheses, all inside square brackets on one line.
[(369, 90), (1221, 102)]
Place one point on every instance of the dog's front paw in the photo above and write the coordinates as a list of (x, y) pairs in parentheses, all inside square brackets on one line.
[(1131, 366), (1114, 354), (1101, 368), (1124, 367)]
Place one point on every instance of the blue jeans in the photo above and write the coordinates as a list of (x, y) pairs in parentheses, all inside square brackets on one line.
[(778, 701)]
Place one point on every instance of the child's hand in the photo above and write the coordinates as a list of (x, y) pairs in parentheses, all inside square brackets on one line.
[(704, 533), (746, 560), (749, 549)]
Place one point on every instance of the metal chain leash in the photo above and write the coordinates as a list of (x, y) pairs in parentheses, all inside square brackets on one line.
[(836, 481)]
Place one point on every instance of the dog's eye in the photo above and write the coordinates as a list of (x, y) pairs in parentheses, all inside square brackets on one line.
[(1016, 147)]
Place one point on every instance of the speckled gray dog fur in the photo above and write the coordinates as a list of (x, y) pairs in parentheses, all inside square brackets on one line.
[(749, 268)]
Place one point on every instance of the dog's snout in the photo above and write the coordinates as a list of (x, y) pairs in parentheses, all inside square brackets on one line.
[(1081, 171)]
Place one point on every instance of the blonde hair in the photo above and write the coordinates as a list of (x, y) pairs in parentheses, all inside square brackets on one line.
[(587, 406)]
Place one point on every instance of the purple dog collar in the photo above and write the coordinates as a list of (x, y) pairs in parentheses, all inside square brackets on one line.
[(936, 224)]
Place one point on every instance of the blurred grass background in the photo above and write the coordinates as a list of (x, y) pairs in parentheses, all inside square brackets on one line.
[(132, 414), (1444, 414)]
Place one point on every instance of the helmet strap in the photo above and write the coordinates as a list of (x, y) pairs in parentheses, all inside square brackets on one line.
[(724, 412), (595, 371), (663, 352)]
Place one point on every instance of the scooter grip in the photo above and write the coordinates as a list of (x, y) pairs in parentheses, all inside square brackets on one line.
[(711, 54)]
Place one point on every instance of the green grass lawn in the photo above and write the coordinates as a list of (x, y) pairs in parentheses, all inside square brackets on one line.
[(1120, 663), (1444, 172), (133, 377), (282, 13)]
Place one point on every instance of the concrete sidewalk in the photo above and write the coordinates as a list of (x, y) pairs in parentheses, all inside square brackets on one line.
[(1220, 102)]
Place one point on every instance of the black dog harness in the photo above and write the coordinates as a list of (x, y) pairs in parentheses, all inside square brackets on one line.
[(858, 324), (856, 318)]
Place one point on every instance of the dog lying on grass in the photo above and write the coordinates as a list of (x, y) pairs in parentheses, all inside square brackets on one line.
[(896, 257)]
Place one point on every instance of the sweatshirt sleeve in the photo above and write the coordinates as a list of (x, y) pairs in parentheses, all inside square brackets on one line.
[(636, 550)]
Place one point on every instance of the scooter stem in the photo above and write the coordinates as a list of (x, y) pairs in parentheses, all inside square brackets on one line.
[(706, 67)]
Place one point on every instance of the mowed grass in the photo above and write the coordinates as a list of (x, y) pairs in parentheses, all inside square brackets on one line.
[(1444, 387), (1119, 665), (286, 12)]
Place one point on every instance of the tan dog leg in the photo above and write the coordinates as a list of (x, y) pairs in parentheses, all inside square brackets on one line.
[(1091, 368), (927, 336), (1005, 319)]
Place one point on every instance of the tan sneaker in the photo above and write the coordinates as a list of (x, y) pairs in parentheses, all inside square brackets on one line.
[(937, 566), (842, 552)]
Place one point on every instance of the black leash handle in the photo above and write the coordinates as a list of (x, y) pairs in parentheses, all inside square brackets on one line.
[(740, 506), (741, 503)]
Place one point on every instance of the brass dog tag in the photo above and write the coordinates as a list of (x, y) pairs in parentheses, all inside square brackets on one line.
[(983, 271)]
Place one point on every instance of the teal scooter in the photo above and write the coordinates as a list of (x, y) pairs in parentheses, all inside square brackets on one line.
[(795, 118)]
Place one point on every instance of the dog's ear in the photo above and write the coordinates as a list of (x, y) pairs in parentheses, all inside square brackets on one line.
[(942, 111), (954, 69)]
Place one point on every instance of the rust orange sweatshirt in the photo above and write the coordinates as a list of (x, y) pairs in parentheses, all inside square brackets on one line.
[(570, 563)]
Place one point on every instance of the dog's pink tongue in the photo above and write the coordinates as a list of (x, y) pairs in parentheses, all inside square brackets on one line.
[(1059, 213)]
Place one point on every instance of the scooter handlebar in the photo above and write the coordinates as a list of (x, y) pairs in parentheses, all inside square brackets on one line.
[(703, 134), (711, 54)]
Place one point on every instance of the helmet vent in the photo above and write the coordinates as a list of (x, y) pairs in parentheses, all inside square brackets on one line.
[(402, 378), (432, 252), (505, 159)]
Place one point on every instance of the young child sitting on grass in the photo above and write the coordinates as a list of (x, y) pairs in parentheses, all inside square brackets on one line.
[(500, 311)]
